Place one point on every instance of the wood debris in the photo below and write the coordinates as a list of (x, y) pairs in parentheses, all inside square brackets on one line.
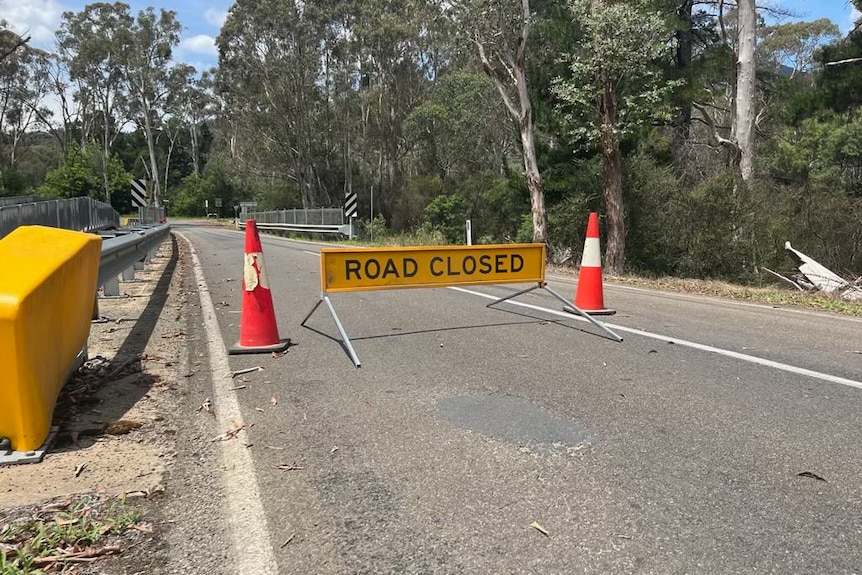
[(289, 539), (230, 434), (535, 525), (292, 466), (244, 371), (87, 555)]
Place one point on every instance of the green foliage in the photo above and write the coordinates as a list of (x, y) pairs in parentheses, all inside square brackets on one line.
[(409, 209), (80, 175), (621, 46), (447, 214), (825, 151), (452, 134), (189, 199), (376, 230), (272, 194), (498, 211), (85, 522)]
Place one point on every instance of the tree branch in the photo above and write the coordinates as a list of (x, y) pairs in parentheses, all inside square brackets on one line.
[(494, 74), (729, 145), (21, 41), (847, 61)]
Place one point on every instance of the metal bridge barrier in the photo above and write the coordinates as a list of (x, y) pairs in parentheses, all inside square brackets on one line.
[(82, 214), (48, 280), (314, 220)]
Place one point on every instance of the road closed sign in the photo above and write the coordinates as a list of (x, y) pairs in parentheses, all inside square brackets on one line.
[(356, 269)]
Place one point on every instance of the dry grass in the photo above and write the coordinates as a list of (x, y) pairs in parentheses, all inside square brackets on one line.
[(770, 295)]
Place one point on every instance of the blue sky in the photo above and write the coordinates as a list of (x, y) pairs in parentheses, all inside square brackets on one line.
[(201, 22), (202, 19)]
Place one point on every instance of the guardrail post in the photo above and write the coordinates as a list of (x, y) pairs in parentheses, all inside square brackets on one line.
[(129, 274), (112, 287)]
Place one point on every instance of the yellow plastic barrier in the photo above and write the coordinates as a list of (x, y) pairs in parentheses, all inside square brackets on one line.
[(48, 282)]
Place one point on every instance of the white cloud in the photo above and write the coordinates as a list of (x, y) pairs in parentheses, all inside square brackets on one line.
[(215, 17), (200, 44), (38, 19)]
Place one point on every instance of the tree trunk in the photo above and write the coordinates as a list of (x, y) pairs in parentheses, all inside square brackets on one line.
[(682, 60), (612, 191), (106, 151), (534, 183), (154, 167), (522, 112), (745, 89), (531, 166), (195, 152)]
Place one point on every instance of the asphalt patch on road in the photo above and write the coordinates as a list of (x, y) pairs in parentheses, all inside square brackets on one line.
[(515, 420)]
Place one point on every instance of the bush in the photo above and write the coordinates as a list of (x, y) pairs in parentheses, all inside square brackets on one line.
[(447, 214)]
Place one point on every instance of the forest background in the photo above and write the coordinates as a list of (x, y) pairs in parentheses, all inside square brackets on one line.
[(706, 133)]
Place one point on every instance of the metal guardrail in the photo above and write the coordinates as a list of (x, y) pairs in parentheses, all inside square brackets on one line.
[(80, 214), (315, 220), (310, 217), (120, 252), (340, 229)]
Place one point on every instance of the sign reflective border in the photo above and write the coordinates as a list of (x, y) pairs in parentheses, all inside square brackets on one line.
[(355, 269)]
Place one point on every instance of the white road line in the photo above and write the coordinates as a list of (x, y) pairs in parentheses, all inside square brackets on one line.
[(691, 344), (311, 253), (253, 551)]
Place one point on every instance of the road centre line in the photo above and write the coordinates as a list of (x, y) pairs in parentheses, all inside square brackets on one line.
[(253, 549), (694, 345)]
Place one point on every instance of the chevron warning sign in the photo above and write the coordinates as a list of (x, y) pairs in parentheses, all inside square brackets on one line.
[(139, 193), (350, 206)]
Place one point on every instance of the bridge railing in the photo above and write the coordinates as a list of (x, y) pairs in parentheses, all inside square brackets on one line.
[(79, 214), (317, 221)]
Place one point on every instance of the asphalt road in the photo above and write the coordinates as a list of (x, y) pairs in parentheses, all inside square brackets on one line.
[(718, 437)]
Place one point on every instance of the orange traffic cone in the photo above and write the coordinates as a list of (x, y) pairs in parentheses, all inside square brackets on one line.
[(258, 332), (589, 297)]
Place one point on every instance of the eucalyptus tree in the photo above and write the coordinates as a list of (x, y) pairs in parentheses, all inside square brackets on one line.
[(91, 45), (24, 84), (795, 44), (615, 86), (738, 29), (499, 31), (461, 128), (401, 49), (145, 62), (269, 79)]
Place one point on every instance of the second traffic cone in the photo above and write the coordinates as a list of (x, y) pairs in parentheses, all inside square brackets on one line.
[(258, 332), (589, 297)]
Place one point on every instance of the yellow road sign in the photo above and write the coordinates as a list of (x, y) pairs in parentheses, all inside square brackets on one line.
[(355, 269)]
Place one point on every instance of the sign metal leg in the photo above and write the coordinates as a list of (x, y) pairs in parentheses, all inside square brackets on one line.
[(345, 341), (587, 316)]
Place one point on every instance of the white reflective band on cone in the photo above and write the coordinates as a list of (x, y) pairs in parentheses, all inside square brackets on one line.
[(252, 278), (592, 257)]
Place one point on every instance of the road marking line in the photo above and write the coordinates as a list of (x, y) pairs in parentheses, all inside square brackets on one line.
[(685, 343), (311, 253), (253, 549)]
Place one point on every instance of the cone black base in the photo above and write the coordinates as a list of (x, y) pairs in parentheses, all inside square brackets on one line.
[(591, 311), (238, 349)]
